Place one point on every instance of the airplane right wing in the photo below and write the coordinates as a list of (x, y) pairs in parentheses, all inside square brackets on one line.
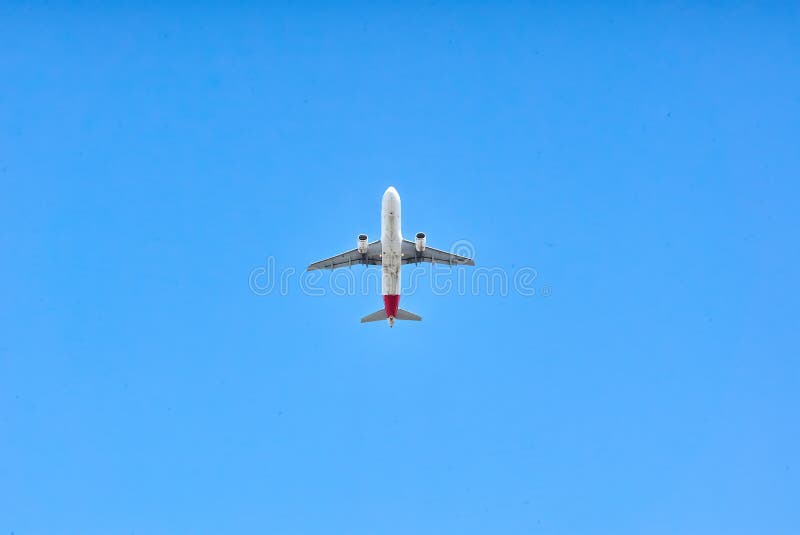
[(351, 258), (434, 256)]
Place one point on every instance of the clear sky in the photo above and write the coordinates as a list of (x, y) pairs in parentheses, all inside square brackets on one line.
[(642, 159)]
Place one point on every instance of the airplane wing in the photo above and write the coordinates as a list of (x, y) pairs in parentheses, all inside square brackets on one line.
[(434, 256), (351, 258)]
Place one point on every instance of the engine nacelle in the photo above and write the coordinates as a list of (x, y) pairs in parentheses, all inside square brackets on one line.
[(363, 243), (419, 243)]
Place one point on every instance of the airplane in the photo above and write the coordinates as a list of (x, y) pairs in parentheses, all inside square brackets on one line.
[(391, 252)]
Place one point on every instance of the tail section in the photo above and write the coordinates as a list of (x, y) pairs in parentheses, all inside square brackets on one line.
[(380, 315)]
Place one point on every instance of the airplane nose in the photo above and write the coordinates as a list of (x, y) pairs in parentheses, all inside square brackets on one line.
[(391, 193)]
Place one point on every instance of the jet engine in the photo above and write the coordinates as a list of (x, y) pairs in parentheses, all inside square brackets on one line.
[(362, 243), (419, 243)]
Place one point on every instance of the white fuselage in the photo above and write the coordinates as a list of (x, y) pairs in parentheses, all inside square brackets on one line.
[(391, 242)]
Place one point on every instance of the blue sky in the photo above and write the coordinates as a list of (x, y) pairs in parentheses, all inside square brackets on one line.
[(643, 159)]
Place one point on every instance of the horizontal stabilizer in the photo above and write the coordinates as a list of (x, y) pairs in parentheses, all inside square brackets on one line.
[(378, 315), (406, 315)]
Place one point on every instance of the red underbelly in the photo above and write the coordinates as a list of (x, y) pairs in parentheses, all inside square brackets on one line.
[(390, 303)]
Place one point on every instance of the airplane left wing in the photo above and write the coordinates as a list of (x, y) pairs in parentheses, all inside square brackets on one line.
[(351, 258), (434, 256)]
